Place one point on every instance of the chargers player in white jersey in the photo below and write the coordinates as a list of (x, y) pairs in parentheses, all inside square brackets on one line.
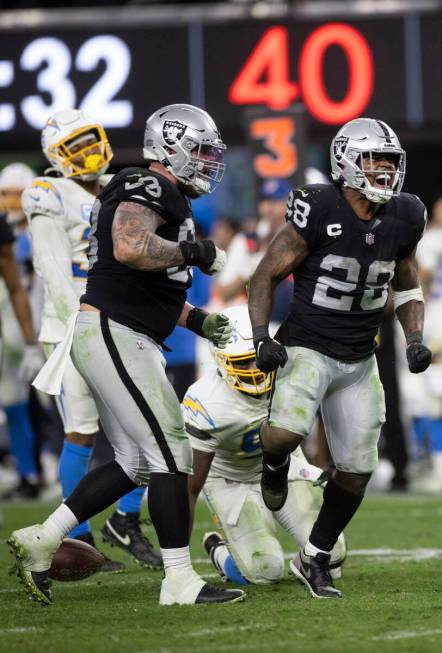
[(58, 210), (223, 412)]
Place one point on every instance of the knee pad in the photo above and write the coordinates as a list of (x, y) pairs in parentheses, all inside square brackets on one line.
[(266, 568)]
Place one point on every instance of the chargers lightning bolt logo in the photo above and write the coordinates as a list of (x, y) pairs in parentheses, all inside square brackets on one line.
[(196, 408)]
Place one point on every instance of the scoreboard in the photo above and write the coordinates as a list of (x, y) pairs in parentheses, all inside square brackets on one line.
[(384, 67)]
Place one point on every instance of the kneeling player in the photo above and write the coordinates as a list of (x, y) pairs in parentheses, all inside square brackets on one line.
[(223, 412)]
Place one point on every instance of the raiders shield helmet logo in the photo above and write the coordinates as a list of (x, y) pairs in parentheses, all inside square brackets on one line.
[(173, 131), (339, 146)]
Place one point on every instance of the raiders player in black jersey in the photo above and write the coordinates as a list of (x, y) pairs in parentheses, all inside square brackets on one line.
[(141, 248), (346, 243)]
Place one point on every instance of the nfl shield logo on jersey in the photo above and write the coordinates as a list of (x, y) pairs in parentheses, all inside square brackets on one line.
[(173, 131), (369, 239)]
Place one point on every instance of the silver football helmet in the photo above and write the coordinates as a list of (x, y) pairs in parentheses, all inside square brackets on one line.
[(366, 138), (187, 142)]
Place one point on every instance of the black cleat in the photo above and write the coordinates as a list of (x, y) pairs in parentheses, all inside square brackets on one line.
[(212, 594), (274, 485), (314, 572), (124, 531), (211, 541), (112, 566)]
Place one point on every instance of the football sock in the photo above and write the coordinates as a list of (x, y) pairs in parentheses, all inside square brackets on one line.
[(311, 550), (98, 490), (74, 465), (224, 561), (61, 522), (233, 573), (131, 502), (176, 559), (22, 439), (337, 509), (168, 503)]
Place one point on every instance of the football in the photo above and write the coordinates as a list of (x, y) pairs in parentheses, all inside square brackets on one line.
[(75, 560)]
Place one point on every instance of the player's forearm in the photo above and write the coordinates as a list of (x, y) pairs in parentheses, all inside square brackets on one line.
[(182, 320), (22, 309), (148, 252), (411, 317), (261, 291)]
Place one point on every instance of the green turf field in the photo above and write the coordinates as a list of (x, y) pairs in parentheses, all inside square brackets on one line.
[(392, 584)]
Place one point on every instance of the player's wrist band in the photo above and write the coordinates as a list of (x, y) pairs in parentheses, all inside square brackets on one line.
[(195, 320), (260, 332), (196, 252), (413, 337)]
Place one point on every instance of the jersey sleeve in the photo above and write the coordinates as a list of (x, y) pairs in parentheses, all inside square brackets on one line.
[(304, 211), (43, 198), (416, 221), (151, 190), (6, 235)]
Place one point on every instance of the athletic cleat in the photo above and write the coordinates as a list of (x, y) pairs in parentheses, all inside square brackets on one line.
[(24, 491), (124, 531), (211, 541), (110, 566), (274, 485), (314, 572), (187, 588), (33, 550)]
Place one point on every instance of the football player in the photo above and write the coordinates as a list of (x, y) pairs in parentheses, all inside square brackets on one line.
[(347, 243), (141, 251), (223, 411), (21, 356), (58, 210)]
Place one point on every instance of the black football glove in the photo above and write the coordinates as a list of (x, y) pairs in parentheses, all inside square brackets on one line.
[(418, 357), (269, 354)]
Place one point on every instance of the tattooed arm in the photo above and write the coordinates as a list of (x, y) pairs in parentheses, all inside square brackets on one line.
[(409, 305), (411, 313), (135, 242), (285, 253)]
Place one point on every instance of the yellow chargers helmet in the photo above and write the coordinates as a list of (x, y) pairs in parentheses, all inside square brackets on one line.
[(76, 145), (236, 363)]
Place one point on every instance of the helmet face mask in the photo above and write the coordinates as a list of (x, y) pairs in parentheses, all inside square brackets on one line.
[(366, 155), (75, 145), (236, 363), (187, 142), (242, 374)]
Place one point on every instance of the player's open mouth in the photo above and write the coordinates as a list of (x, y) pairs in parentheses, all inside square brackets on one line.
[(383, 180)]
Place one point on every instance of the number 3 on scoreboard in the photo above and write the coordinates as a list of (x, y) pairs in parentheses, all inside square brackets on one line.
[(278, 136)]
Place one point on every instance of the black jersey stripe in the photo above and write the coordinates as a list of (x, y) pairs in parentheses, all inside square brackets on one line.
[(137, 396), (385, 130)]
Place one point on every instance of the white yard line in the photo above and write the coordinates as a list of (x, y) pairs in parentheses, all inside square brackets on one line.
[(6, 631), (408, 634)]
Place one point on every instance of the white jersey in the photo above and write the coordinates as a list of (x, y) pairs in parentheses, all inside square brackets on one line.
[(58, 212), (226, 422)]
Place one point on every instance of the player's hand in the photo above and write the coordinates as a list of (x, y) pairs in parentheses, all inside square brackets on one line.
[(218, 329), (418, 357), (31, 363), (269, 354), (218, 262), (204, 254)]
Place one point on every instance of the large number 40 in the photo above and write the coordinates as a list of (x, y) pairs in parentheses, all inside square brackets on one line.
[(265, 76)]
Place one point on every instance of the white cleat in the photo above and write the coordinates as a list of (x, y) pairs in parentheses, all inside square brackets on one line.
[(33, 549), (187, 588)]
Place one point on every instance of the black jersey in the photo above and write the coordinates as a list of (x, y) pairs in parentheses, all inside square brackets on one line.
[(6, 235), (148, 302), (341, 287)]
